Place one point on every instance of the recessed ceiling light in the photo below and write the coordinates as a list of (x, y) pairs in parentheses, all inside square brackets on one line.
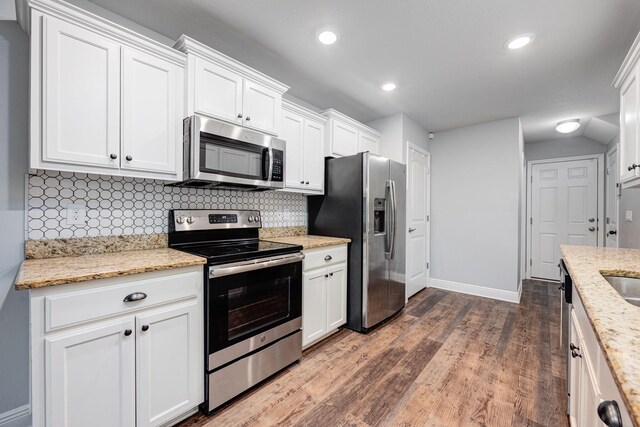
[(388, 86), (327, 37), (520, 41), (568, 126)]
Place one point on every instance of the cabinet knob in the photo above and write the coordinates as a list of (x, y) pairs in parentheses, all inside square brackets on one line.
[(145, 328), (240, 115), (307, 183), (127, 332), (632, 167), (248, 118), (301, 182), (328, 258), (572, 346), (613, 232), (326, 275), (609, 413), (331, 274), (574, 354), (129, 158), (114, 156)]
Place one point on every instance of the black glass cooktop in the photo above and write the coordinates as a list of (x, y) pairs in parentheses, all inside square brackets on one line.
[(219, 252)]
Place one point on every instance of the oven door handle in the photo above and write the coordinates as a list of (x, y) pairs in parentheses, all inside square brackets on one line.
[(242, 267)]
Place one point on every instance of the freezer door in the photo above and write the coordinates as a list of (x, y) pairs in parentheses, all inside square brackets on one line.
[(375, 266), (397, 262)]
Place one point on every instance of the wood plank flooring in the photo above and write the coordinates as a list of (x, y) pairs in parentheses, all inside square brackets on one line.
[(447, 360)]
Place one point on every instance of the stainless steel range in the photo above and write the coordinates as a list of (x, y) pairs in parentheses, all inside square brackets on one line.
[(253, 299)]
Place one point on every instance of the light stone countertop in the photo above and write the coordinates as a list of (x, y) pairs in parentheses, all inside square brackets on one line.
[(38, 273), (615, 321), (309, 241)]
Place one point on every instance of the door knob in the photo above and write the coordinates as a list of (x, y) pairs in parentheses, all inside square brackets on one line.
[(592, 229), (411, 230)]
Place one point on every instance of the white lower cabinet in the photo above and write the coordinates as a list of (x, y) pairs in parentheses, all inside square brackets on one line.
[(136, 363), (590, 379), (324, 292)]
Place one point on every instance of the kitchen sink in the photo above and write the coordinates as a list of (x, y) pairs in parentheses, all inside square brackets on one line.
[(627, 287)]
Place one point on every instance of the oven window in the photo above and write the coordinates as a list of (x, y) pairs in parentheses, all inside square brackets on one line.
[(246, 304), (254, 307), (225, 156)]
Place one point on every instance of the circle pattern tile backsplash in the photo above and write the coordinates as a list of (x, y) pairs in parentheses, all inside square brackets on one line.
[(123, 206)]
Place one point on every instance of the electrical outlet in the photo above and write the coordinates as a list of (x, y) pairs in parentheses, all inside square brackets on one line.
[(629, 216), (76, 214)]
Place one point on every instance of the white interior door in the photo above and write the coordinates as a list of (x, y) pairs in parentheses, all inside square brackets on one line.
[(418, 170), (564, 210), (611, 222)]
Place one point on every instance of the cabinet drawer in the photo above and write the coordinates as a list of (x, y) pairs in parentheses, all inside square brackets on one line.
[(322, 257), (85, 306)]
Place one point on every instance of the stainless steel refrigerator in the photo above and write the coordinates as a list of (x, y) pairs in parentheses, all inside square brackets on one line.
[(365, 200)]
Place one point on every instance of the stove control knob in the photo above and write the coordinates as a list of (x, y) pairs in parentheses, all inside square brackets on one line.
[(189, 220), (250, 219), (180, 220)]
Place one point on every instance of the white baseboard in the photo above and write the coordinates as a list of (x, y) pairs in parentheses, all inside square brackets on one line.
[(481, 291), (17, 417)]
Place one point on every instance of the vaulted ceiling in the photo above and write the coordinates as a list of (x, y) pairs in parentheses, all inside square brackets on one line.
[(446, 56)]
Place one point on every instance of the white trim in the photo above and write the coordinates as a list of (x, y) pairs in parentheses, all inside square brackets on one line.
[(628, 64), (481, 291), (601, 163), (16, 416)]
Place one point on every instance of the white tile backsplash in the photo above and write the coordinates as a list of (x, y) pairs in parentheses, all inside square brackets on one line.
[(121, 206)]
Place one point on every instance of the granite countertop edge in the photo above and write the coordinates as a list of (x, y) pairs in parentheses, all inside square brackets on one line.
[(616, 322), (310, 241)]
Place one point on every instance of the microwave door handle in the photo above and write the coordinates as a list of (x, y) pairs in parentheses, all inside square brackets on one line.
[(266, 164)]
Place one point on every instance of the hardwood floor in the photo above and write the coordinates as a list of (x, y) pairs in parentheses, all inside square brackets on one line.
[(447, 360)]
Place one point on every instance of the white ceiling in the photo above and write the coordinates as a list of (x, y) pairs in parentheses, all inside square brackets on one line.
[(446, 56)]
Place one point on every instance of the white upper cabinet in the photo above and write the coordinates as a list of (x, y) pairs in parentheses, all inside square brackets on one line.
[(80, 96), (627, 82), (223, 88), (303, 131), (103, 99), (218, 91), (346, 137), (151, 116)]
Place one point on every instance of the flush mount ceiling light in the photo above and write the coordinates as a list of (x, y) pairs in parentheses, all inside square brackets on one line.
[(568, 126), (327, 37), (519, 41), (388, 86)]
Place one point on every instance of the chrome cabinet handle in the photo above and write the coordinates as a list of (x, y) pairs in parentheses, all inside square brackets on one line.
[(411, 230), (145, 328), (328, 258), (129, 158), (136, 296), (127, 332), (114, 156), (609, 413)]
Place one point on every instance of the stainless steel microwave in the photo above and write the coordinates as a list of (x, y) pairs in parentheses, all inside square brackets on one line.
[(222, 155)]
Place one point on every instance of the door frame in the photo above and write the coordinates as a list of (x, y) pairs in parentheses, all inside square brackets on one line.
[(616, 148), (411, 146), (600, 158)]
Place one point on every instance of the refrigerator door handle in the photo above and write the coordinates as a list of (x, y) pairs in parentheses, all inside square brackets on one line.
[(392, 218)]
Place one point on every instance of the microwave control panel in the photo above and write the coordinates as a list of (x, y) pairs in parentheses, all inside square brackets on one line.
[(277, 165)]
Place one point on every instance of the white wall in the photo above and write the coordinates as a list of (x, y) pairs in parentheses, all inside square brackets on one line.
[(396, 131), (14, 308), (475, 203), (565, 147)]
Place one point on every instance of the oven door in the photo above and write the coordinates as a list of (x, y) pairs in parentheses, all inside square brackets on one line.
[(251, 304), (229, 154)]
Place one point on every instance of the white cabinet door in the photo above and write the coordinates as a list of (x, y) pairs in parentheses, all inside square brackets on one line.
[(90, 376), (151, 113), (337, 296), (218, 91), (344, 139), (262, 107), (629, 116), (367, 143), (589, 394), (314, 305), (169, 373), (81, 96), (313, 151), (293, 133), (575, 371)]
